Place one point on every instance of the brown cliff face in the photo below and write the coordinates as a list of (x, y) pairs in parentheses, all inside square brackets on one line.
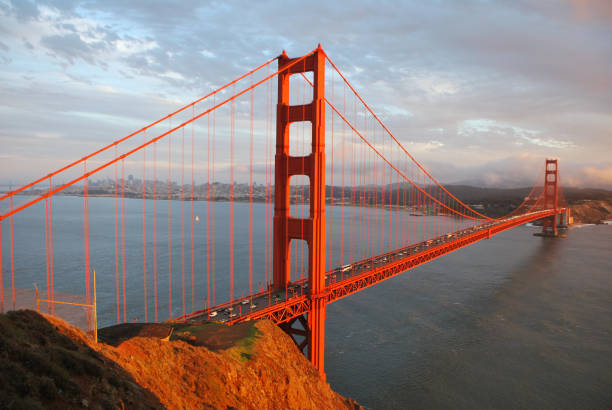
[(591, 211), (49, 364), (252, 366)]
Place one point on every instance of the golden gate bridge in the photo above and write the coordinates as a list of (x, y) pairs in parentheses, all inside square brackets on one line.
[(320, 201)]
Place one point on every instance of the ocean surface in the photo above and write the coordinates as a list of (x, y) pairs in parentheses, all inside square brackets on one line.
[(513, 322)]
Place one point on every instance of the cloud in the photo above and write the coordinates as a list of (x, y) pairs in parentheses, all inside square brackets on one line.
[(435, 86), (467, 87), (596, 176), (69, 47), (24, 10), (424, 146), (524, 171), (592, 9), (492, 129)]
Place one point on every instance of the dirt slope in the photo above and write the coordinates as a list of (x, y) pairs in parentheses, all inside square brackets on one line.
[(178, 366), (43, 368)]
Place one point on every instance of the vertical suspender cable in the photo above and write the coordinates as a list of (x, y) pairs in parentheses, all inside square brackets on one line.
[(331, 207), (397, 203), (372, 200), (251, 197), (123, 235), (117, 242), (383, 242), (47, 260), (51, 250), (354, 203), (86, 241), (343, 182), (12, 256), (208, 211), (375, 204), (391, 172), (183, 217), (231, 200), (270, 182), (192, 213), (155, 227), (144, 226), (170, 224), (1, 275), (212, 204), (266, 224)]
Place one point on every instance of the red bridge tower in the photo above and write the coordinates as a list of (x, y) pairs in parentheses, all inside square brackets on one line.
[(311, 229), (551, 201)]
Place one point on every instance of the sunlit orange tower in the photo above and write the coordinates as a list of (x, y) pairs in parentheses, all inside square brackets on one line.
[(311, 229)]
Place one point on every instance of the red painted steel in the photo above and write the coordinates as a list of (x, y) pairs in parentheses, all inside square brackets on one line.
[(286, 310), (114, 144), (551, 195), (138, 148), (381, 177), (352, 285), (312, 229), (1, 275)]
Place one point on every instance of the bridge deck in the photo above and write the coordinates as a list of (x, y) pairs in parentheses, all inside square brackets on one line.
[(283, 305)]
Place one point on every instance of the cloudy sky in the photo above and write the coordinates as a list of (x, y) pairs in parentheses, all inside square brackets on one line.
[(480, 91)]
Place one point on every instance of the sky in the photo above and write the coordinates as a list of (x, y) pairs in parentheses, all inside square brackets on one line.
[(480, 92)]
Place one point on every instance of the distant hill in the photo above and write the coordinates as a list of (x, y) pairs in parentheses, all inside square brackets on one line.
[(475, 194)]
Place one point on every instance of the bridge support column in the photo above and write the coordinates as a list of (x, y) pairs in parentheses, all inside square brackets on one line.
[(549, 225), (299, 336), (566, 218), (551, 199), (312, 229)]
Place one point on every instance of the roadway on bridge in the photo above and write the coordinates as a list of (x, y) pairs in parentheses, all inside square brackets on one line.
[(252, 306)]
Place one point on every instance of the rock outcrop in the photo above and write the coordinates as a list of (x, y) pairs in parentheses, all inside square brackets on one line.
[(47, 363), (591, 211)]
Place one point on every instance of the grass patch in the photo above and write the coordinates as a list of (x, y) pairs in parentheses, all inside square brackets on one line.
[(243, 349)]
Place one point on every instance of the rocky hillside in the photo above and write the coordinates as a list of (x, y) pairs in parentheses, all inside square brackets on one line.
[(45, 363), (591, 211)]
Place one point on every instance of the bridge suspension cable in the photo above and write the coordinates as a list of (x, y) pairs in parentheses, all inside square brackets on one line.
[(419, 165), (138, 148), (382, 211)]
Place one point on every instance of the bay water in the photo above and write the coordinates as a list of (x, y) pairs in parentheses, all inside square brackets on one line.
[(516, 321)]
